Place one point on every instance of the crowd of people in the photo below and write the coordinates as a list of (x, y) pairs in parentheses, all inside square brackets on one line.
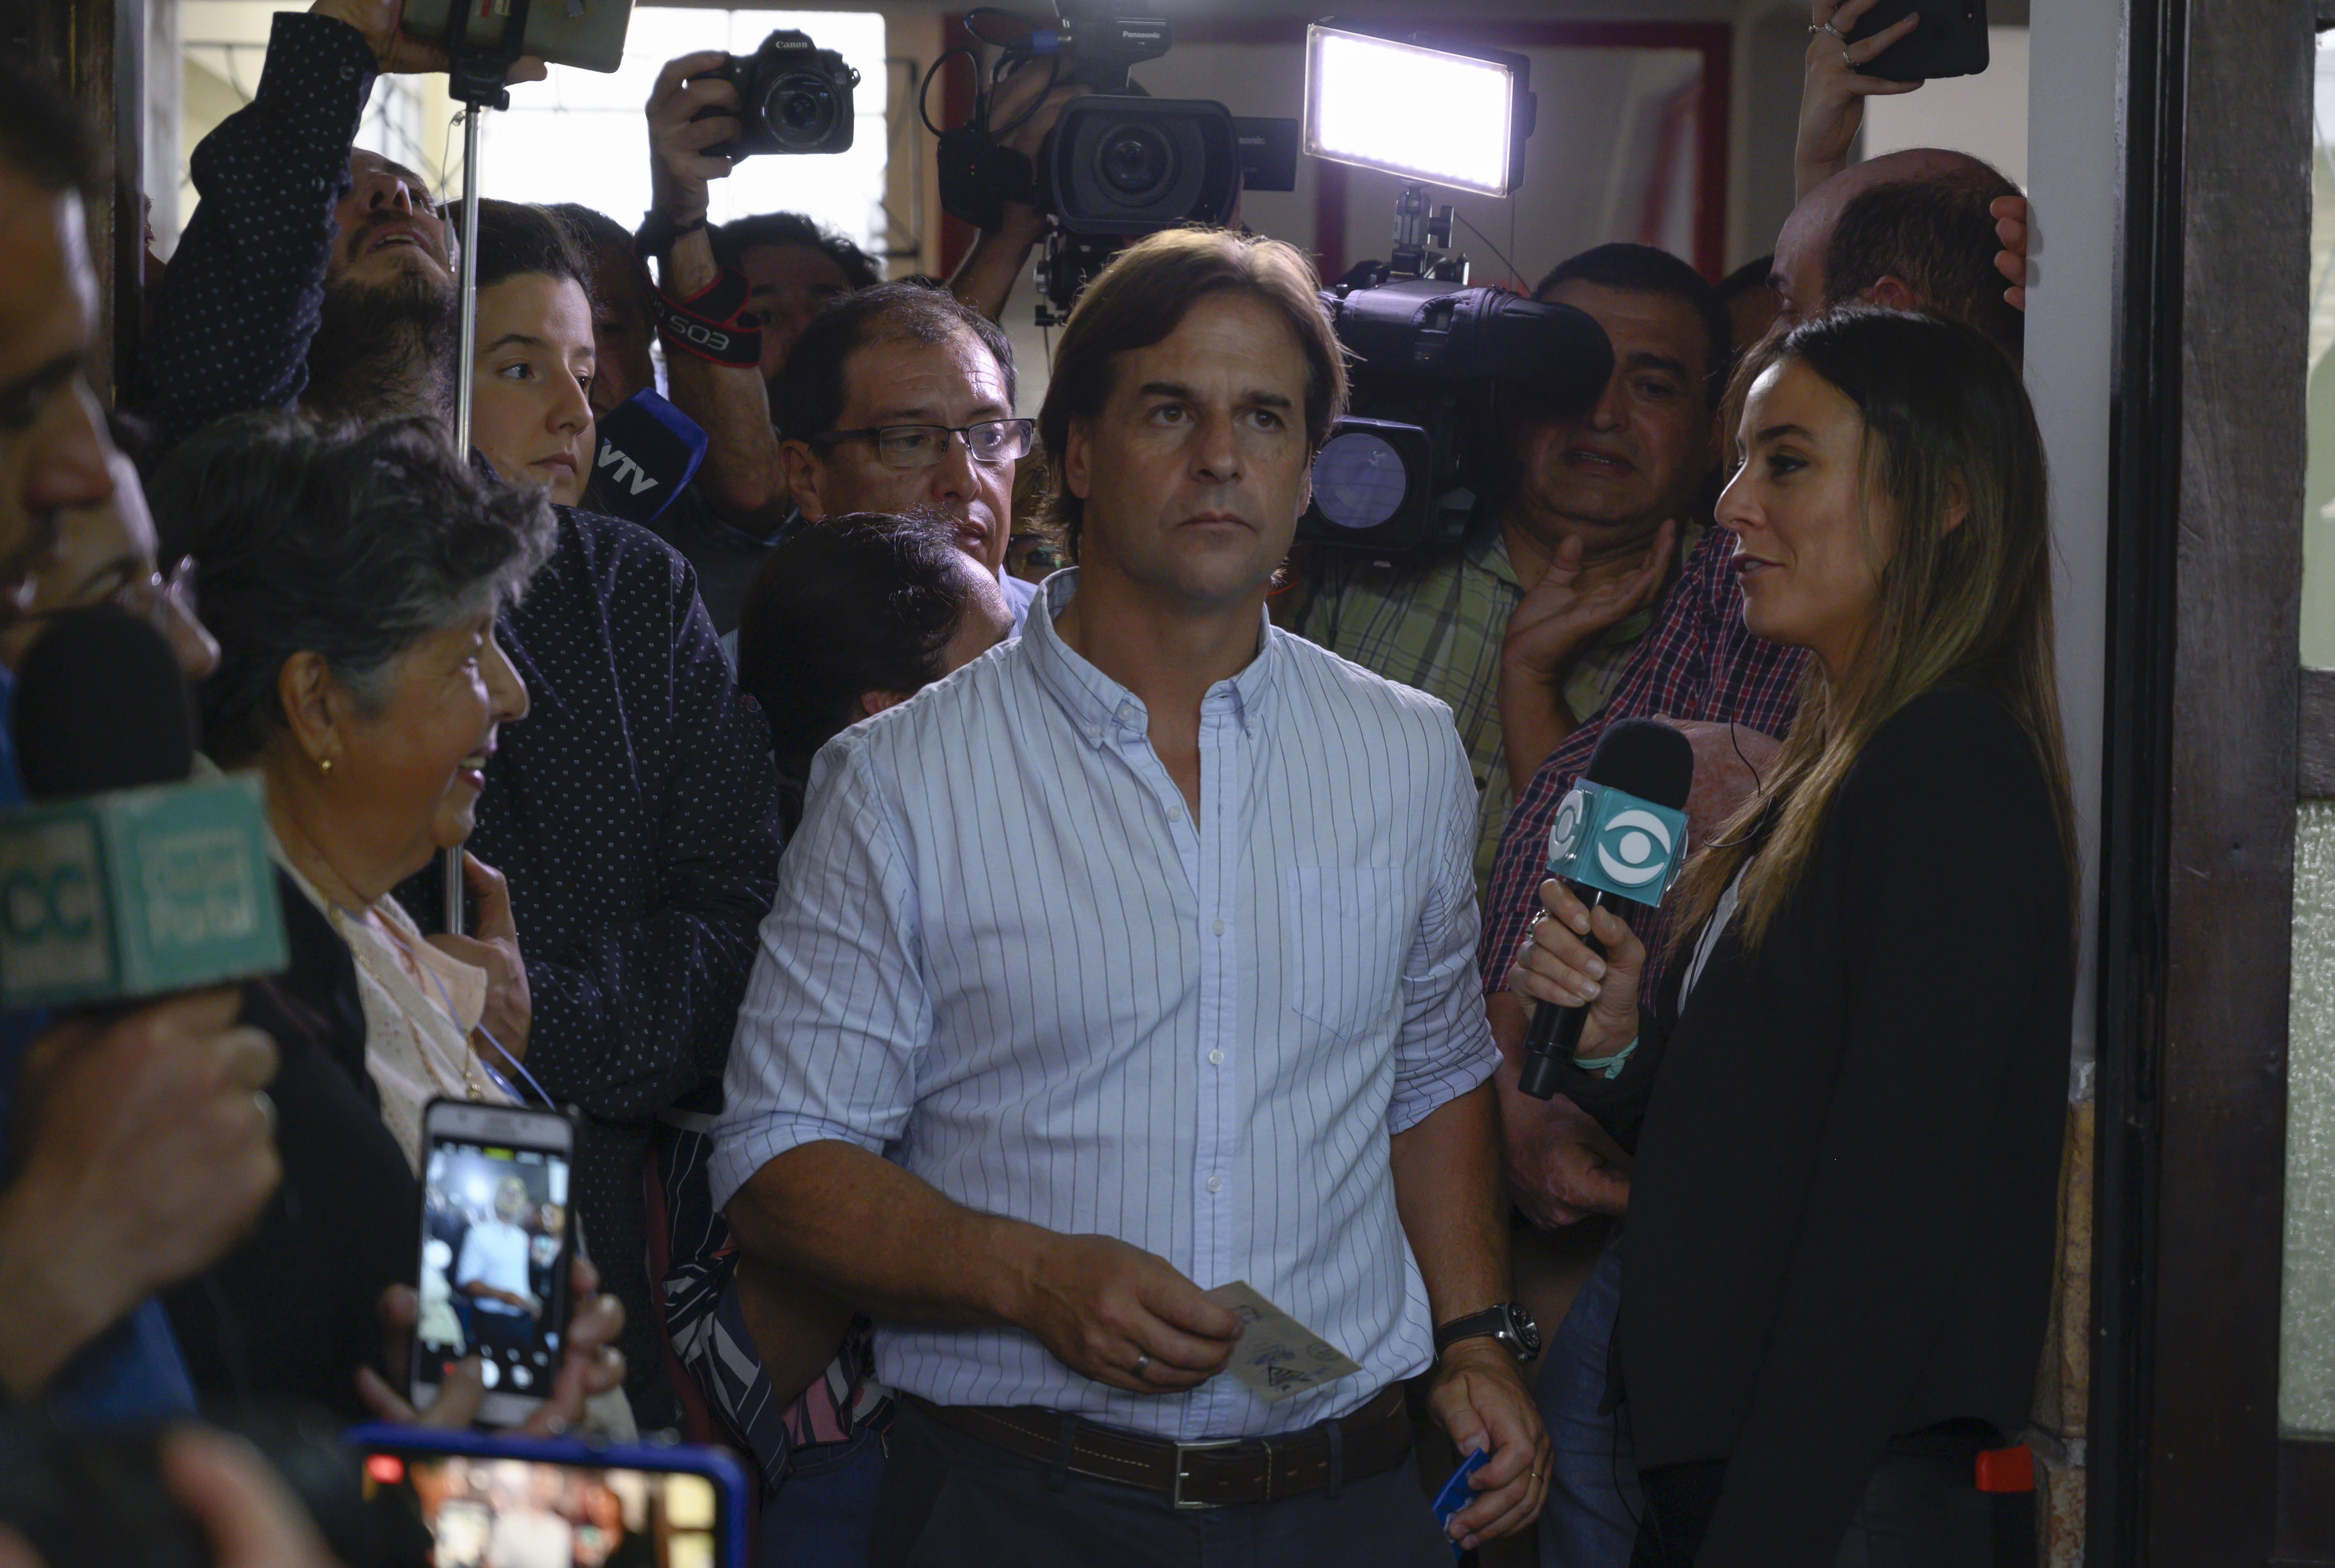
[(981, 967)]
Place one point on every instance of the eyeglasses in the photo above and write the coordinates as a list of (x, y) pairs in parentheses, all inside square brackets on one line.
[(922, 446), (151, 597)]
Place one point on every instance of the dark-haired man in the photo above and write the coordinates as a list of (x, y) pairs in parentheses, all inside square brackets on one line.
[(793, 269), (1524, 629), (1221, 1036), (136, 1149), (635, 814), (900, 399)]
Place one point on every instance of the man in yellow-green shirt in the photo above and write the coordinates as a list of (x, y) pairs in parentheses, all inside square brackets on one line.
[(1524, 627)]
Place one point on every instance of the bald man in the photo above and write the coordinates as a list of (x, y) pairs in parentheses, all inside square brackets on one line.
[(1912, 230)]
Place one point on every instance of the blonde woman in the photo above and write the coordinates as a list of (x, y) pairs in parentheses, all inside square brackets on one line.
[(1845, 1105)]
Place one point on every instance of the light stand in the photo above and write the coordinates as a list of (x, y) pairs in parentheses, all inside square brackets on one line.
[(475, 80), (1423, 239)]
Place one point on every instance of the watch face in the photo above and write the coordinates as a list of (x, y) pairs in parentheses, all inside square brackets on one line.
[(1525, 1331)]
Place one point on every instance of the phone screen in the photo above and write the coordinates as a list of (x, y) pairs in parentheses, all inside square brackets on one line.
[(477, 1511), (495, 1234)]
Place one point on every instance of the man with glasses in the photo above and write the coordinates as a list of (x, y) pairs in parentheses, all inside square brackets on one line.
[(899, 398)]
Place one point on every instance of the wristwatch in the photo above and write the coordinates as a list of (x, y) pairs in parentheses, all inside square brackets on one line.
[(1507, 1323)]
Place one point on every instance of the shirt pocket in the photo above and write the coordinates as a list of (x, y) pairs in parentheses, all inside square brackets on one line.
[(1343, 929)]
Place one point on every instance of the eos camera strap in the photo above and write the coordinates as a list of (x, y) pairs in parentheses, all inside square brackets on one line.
[(710, 324)]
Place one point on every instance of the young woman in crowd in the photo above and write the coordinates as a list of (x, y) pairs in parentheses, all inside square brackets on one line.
[(352, 581), (1846, 1108), (847, 617), (531, 376)]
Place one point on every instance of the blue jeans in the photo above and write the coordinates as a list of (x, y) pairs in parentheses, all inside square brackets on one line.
[(823, 1513), (1591, 1518)]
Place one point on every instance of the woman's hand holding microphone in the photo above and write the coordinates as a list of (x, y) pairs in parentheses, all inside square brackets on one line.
[(1556, 966)]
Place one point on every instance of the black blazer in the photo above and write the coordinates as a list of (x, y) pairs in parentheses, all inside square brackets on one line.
[(291, 1313), (1841, 1221)]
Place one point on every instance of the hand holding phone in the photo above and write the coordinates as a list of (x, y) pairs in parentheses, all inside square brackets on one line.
[(497, 1261)]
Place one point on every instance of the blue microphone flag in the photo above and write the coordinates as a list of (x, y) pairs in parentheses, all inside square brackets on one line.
[(1607, 839), (648, 451)]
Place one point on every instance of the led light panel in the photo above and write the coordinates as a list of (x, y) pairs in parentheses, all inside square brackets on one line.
[(1418, 113)]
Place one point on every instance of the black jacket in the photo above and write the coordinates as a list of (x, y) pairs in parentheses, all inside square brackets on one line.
[(1842, 1216), (293, 1311)]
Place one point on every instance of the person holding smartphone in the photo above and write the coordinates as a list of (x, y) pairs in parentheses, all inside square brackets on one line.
[(1846, 1104)]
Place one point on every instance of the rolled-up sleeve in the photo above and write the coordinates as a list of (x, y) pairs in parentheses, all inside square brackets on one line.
[(838, 1009), (1445, 1045)]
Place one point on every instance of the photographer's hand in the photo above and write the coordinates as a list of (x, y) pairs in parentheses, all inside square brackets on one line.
[(1833, 91), (984, 280), (2009, 215), (398, 50), (1550, 626), (680, 168)]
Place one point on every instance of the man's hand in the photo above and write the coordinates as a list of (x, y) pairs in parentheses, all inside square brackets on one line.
[(589, 1363), (1833, 91), (149, 1148), (397, 50), (1559, 1164), (250, 1516), (1016, 94), (1100, 1307), (1554, 621), (2009, 215), (679, 165), (1481, 1400), (1730, 761), (494, 948)]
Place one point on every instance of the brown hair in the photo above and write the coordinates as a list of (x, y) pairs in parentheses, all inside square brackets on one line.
[(1144, 295), (1945, 413)]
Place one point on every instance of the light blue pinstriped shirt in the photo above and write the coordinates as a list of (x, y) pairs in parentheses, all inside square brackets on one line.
[(1005, 955)]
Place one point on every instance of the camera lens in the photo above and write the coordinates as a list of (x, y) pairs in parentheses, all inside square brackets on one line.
[(1359, 480), (1136, 161), (800, 109)]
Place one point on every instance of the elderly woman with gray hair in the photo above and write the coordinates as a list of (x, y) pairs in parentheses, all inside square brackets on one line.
[(353, 579)]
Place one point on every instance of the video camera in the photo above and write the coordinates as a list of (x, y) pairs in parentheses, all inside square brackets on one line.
[(1436, 364), (1117, 163), (792, 97)]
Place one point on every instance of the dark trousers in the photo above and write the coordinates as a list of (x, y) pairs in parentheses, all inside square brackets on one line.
[(950, 1500), (1920, 1510)]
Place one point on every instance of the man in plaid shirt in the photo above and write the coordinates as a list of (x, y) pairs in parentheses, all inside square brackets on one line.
[(1524, 630)]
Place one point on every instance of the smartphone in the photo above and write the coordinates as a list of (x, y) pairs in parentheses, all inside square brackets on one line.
[(1949, 41), (497, 1243), (589, 33), (491, 1498)]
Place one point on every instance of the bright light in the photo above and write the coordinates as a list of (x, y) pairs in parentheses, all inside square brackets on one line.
[(1422, 113)]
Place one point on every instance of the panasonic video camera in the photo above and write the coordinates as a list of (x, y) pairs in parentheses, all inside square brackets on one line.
[(1119, 163)]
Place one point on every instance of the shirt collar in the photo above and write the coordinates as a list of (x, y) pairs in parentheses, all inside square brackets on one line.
[(1100, 706)]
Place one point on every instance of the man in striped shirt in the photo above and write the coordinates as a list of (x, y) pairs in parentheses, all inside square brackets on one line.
[(1132, 963)]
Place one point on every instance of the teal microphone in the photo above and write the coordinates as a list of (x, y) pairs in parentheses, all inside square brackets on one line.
[(1621, 834)]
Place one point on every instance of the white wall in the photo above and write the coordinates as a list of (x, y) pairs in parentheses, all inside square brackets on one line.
[(2073, 177), (1986, 115)]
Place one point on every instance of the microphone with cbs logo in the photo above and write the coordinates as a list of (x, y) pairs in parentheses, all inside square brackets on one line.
[(1620, 834)]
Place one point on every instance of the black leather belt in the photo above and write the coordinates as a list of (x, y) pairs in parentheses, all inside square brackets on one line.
[(1374, 1439)]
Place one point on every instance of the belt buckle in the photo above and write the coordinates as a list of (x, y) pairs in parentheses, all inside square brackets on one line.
[(1175, 1489)]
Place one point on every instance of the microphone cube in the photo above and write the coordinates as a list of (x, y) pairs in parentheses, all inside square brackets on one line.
[(136, 894), (1607, 839)]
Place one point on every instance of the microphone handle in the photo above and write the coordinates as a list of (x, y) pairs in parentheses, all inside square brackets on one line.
[(1556, 1032)]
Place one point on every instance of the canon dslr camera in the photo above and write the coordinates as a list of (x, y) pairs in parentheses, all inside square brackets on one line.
[(792, 97)]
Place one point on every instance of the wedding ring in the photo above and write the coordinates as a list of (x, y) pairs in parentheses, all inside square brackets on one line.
[(266, 1105), (1142, 1359), (1828, 27)]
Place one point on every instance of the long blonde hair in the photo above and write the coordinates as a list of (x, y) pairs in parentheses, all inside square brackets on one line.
[(1945, 418)]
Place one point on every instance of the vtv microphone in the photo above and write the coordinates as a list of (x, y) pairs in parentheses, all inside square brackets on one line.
[(1620, 834), (127, 880), (645, 451)]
